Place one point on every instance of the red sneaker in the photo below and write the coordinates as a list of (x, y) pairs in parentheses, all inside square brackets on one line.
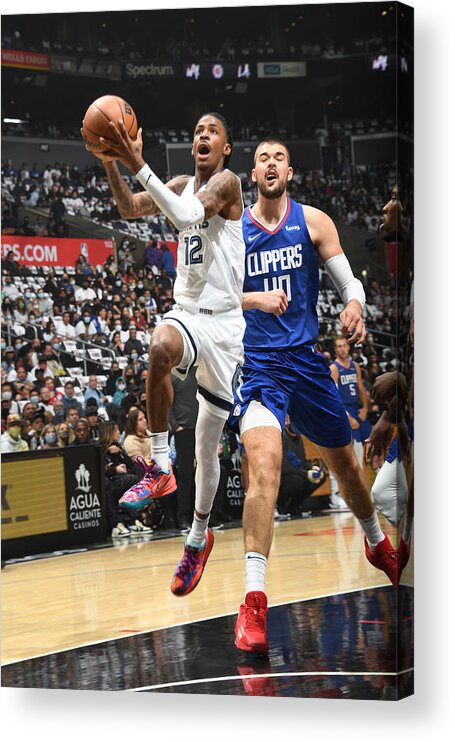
[(155, 483), (384, 557), (404, 551), (191, 566), (251, 626)]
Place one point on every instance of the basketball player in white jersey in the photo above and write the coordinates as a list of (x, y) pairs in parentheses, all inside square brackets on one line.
[(205, 328)]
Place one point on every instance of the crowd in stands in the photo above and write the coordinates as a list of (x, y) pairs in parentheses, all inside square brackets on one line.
[(348, 195), (189, 41)]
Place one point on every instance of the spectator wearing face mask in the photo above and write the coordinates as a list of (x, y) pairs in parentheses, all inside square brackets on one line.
[(48, 437), (20, 311), (85, 327), (133, 343), (11, 441), (65, 435), (8, 396), (120, 391)]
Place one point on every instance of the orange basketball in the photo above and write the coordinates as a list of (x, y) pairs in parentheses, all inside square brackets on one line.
[(97, 117)]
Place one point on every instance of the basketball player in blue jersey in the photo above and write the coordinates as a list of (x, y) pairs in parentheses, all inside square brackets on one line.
[(205, 328), (283, 371), (348, 378)]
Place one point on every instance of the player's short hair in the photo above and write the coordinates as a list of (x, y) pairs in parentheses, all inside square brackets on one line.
[(273, 140), (340, 337), (227, 129)]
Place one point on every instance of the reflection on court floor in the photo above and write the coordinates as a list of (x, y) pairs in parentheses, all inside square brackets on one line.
[(105, 619)]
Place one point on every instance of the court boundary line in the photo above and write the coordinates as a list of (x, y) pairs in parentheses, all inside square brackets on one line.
[(193, 621), (327, 673)]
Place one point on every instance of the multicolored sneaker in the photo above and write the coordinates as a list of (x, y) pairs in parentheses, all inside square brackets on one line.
[(384, 557), (191, 566), (155, 483), (404, 551), (251, 626)]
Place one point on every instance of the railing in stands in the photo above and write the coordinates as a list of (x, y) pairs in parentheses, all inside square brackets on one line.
[(85, 357)]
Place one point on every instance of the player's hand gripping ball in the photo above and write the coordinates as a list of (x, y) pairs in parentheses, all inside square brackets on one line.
[(96, 122)]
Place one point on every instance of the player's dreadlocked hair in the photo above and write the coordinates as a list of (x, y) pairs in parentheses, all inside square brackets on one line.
[(227, 129)]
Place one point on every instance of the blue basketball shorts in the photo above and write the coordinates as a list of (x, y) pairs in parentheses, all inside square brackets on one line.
[(295, 382)]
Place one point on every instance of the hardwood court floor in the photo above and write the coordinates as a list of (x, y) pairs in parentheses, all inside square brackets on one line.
[(62, 603)]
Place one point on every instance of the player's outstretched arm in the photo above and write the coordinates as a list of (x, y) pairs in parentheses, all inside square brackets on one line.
[(325, 238)]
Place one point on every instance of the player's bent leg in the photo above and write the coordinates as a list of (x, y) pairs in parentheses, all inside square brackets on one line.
[(355, 491), (199, 542), (166, 352), (263, 448)]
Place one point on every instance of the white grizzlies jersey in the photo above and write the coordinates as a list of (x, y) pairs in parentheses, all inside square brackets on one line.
[(210, 263)]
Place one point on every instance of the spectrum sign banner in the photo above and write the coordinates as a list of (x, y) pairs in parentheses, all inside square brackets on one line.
[(52, 251), (26, 60)]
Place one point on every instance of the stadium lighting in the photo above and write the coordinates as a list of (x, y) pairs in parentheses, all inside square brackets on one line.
[(14, 121)]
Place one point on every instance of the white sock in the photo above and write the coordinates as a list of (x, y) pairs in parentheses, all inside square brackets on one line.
[(372, 528), (334, 488), (160, 450), (406, 535), (255, 566), (196, 536)]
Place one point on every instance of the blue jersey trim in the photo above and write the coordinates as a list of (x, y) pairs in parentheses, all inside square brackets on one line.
[(280, 224), (214, 399)]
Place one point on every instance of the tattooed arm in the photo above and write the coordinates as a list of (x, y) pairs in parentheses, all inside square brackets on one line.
[(222, 196), (134, 205)]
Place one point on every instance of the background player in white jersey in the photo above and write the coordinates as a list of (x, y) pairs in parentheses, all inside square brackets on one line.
[(283, 372), (205, 328)]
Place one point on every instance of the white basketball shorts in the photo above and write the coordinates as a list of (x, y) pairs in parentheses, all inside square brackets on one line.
[(213, 343)]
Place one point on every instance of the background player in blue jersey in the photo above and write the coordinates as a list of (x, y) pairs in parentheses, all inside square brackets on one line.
[(283, 372), (347, 376)]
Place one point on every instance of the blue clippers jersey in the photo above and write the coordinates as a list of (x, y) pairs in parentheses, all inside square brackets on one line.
[(348, 386), (283, 259)]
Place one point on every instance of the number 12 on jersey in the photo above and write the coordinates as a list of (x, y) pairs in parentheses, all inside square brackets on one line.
[(193, 247), (279, 282)]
